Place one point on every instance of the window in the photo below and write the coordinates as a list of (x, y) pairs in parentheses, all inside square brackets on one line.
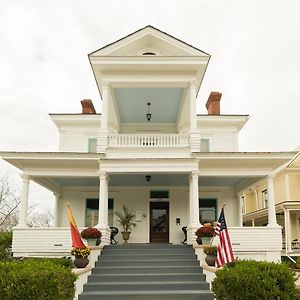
[(207, 210), (92, 145), (265, 198), (159, 194), (204, 145), (92, 212), (243, 204)]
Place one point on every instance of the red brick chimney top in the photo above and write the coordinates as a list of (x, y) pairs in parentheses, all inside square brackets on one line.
[(213, 103), (87, 106)]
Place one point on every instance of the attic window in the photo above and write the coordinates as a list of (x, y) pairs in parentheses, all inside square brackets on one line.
[(148, 53)]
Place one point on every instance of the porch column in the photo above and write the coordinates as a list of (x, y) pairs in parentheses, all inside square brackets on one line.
[(56, 209), (194, 207), (194, 132), (102, 135), (287, 224), (103, 209), (253, 222), (193, 113), (271, 203), (24, 202)]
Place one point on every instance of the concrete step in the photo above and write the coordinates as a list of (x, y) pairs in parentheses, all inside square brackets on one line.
[(146, 263), (150, 269), (147, 295), (147, 246), (146, 277), (143, 285), (145, 257)]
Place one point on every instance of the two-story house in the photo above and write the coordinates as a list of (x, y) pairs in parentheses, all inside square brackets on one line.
[(149, 150)]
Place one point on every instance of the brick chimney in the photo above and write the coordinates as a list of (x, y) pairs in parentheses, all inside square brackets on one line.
[(87, 106), (213, 103)]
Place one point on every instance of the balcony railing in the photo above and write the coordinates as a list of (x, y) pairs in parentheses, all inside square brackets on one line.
[(148, 140)]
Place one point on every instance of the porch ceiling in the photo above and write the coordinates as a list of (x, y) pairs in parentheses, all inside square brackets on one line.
[(132, 104), (156, 180)]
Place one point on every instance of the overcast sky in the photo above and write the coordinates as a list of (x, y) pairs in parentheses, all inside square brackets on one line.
[(255, 62)]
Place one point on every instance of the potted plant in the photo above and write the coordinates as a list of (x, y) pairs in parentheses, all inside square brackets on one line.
[(211, 255), (204, 234), (92, 235), (126, 221), (81, 257)]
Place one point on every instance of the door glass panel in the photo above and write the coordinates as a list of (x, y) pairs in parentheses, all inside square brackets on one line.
[(159, 220)]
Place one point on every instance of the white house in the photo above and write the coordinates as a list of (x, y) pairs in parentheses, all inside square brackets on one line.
[(150, 151)]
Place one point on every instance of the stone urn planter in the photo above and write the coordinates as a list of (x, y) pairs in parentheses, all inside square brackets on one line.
[(125, 235), (81, 262), (81, 257), (211, 255)]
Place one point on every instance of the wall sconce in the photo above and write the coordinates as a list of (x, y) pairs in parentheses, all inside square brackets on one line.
[(148, 178), (148, 115)]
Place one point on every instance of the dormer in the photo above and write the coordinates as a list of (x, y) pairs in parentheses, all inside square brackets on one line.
[(148, 72)]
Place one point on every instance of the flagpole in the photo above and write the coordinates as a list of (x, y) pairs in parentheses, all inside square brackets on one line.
[(212, 239)]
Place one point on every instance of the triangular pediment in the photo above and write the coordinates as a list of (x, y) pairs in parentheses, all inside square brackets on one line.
[(148, 41)]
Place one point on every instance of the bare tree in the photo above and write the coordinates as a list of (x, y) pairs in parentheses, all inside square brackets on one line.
[(41, 219), (9, 203)]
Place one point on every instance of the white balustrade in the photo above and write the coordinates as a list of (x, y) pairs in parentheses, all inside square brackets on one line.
[(148, 140)]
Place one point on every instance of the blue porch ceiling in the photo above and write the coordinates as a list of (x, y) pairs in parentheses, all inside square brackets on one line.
[(156, 180), (132, 104)]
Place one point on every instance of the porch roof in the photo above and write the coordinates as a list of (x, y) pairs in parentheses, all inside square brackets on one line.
[(54, 170)]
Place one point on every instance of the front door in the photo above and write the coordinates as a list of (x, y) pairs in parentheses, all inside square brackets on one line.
[(159, 222)]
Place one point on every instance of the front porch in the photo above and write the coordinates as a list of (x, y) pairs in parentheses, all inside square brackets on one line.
[(258, 243), (287, 216)]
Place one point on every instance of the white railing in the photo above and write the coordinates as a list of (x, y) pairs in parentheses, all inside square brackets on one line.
[(148, 140), (41, 241), (295, 245)]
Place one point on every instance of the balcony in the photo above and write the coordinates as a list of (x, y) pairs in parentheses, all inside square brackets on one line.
[(148, 140)]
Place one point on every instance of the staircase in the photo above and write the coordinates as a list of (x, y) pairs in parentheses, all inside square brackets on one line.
[(147, 271)]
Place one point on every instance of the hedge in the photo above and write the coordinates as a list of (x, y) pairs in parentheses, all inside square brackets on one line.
[(5, 245), (36, 280), (253, 280)]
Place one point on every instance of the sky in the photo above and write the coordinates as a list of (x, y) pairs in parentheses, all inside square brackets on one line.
[(44, 68)]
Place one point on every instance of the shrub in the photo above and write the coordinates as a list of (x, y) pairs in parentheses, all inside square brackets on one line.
[(63, 262), (5, 245), (36, 280), (90, 233), (297, 265), (253, 280)]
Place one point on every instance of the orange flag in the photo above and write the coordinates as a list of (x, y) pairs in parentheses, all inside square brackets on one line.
[(76, 238)]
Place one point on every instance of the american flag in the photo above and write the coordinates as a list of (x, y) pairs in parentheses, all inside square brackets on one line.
[(224, 254)]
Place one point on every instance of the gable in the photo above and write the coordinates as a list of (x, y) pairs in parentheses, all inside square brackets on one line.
[(149, 41)]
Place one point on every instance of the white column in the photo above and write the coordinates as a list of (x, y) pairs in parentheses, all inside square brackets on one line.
[(104, 116), (102, 134), (288, 231), (271, 203), (193, 107), (56, 209), (253, 222), (24, 202), (103, 209), (193, 207)]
